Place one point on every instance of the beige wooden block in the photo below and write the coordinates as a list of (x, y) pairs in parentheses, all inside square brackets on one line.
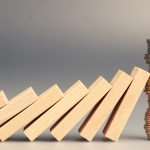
[(97, 90), (100, 112), (3, 99), (123, 109), (17, 104), (72, 96), (45, 101)]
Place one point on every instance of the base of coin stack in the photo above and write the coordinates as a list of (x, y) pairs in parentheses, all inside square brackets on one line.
[(147, 114)]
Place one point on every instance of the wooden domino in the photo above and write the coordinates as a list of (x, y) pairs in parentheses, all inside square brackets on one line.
[(122, 111), (17, 104), (45, 101), (3, 99), (100, 112), (97, 90), (72, 96)]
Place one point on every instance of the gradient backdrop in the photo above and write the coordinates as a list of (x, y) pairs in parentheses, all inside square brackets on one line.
[(47, 42)]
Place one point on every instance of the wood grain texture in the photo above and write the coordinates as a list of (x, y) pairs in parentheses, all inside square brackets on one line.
[(97, 90), (125, 106), (3, 99), (45, 101), (17, 104), (100, 112), (72, 96)]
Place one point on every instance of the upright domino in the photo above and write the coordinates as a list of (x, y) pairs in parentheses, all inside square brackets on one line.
[(3, 99), (100, 112), (122, 111), (17, 104), (72, 97), (45, 101), (97, 90)]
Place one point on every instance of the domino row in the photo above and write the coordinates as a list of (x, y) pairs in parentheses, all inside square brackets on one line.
[(38, 113)]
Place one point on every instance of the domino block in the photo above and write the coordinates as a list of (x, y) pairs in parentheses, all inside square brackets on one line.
[(17, 104), (3, 99), (123, 109), (72, 96), (100, 112), (97, 90), (45, 101)]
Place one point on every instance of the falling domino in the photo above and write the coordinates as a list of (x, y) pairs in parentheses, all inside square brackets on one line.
[(45, 101), (72, 96), (17, 104), (100, 112), (124, 108), (97, 90), (3, 99)]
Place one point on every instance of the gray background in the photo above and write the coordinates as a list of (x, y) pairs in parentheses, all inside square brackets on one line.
[(47, 42)]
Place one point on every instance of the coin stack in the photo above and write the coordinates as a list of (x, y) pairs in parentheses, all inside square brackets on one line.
[(147, 91)]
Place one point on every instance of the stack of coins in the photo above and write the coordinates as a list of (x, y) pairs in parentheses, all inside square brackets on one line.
[(147, 56), (147, 91)]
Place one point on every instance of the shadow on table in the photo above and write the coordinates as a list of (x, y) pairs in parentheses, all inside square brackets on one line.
[(75, 139), (17, 139), (133, 137)]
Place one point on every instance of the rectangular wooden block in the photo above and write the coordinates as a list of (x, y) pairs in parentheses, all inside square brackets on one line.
[(17, 104), (100, 112), (97, 90), (3, 99), (125, 106), (72, 96), (45, 101)]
